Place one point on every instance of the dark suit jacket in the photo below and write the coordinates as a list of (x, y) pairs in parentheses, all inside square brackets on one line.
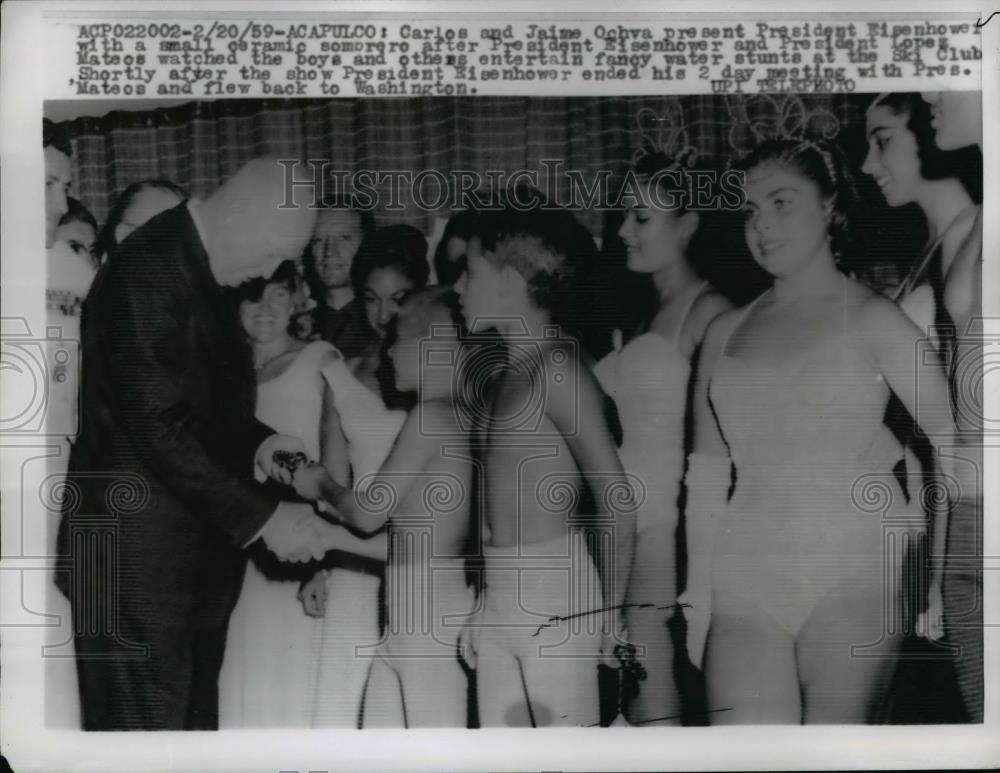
[(345, 328), (166, 412)]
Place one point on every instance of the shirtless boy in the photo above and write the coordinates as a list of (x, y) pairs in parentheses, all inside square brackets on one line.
[(420, 500), (555, 577)]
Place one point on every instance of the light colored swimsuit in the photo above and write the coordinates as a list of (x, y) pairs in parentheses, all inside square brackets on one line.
[(815, 499)]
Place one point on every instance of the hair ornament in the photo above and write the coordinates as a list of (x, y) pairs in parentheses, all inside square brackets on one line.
[(665, 134), (757, 118)]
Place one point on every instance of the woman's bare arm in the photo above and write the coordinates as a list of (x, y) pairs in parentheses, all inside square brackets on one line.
[(333, 444), (904, 357), (575, 405)]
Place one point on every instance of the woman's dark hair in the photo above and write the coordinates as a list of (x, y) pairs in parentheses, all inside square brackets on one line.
[(285, 274), (400, 247), (404, 249), (461, 225), (106, 240), (964, 164), (822, 162), (54, 135), (670, 176), (676, 188), (76, 212)]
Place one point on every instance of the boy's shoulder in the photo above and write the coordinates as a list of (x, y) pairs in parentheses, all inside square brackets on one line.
[(435, 419)]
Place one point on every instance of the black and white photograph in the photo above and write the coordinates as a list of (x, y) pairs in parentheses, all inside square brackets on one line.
[(641, 412)]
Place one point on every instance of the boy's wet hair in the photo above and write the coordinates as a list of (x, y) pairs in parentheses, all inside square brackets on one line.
[(545, 244), (461, 225), (437, 304)]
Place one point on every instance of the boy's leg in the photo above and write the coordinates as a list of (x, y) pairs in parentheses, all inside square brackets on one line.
[(382, 699), (433, 683), (558, 660), (434, 692), (501, 698), (562, 691)]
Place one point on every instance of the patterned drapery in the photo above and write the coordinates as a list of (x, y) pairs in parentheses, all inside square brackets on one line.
[(200, 144)]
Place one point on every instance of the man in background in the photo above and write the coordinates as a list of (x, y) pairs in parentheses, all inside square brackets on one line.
[(339, 315)]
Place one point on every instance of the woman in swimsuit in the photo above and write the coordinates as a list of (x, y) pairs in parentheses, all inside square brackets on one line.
[(801, 560), (648, 379), (957, 120)]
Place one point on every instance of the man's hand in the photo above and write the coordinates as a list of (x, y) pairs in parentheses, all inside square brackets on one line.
[(312, 594), (295, 534), (929, 622), (311, 481), (265, 464)]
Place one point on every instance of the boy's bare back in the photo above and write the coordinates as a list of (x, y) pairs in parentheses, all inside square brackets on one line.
[(533, 481)]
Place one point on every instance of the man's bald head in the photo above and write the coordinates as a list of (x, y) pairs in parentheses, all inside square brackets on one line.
[(251, 225)]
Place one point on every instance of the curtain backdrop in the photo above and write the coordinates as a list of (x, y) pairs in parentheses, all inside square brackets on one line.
[(200, 144)]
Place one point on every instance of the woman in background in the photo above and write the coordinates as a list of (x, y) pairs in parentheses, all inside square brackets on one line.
[(450, 255), (957, 118), (135, 206), (78, 229), (791, 392), (648, 380), (389, 265), (909, 168), (270, 668)]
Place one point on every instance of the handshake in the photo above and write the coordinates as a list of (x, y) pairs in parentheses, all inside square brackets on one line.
[(294, 533)]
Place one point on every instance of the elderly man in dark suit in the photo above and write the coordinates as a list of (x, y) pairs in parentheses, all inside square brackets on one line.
[(165, 480)]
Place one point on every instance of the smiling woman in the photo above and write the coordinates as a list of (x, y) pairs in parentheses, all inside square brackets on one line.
[(648, 380), (910, 169), (791, 393), (266, 307), (256, 689)]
